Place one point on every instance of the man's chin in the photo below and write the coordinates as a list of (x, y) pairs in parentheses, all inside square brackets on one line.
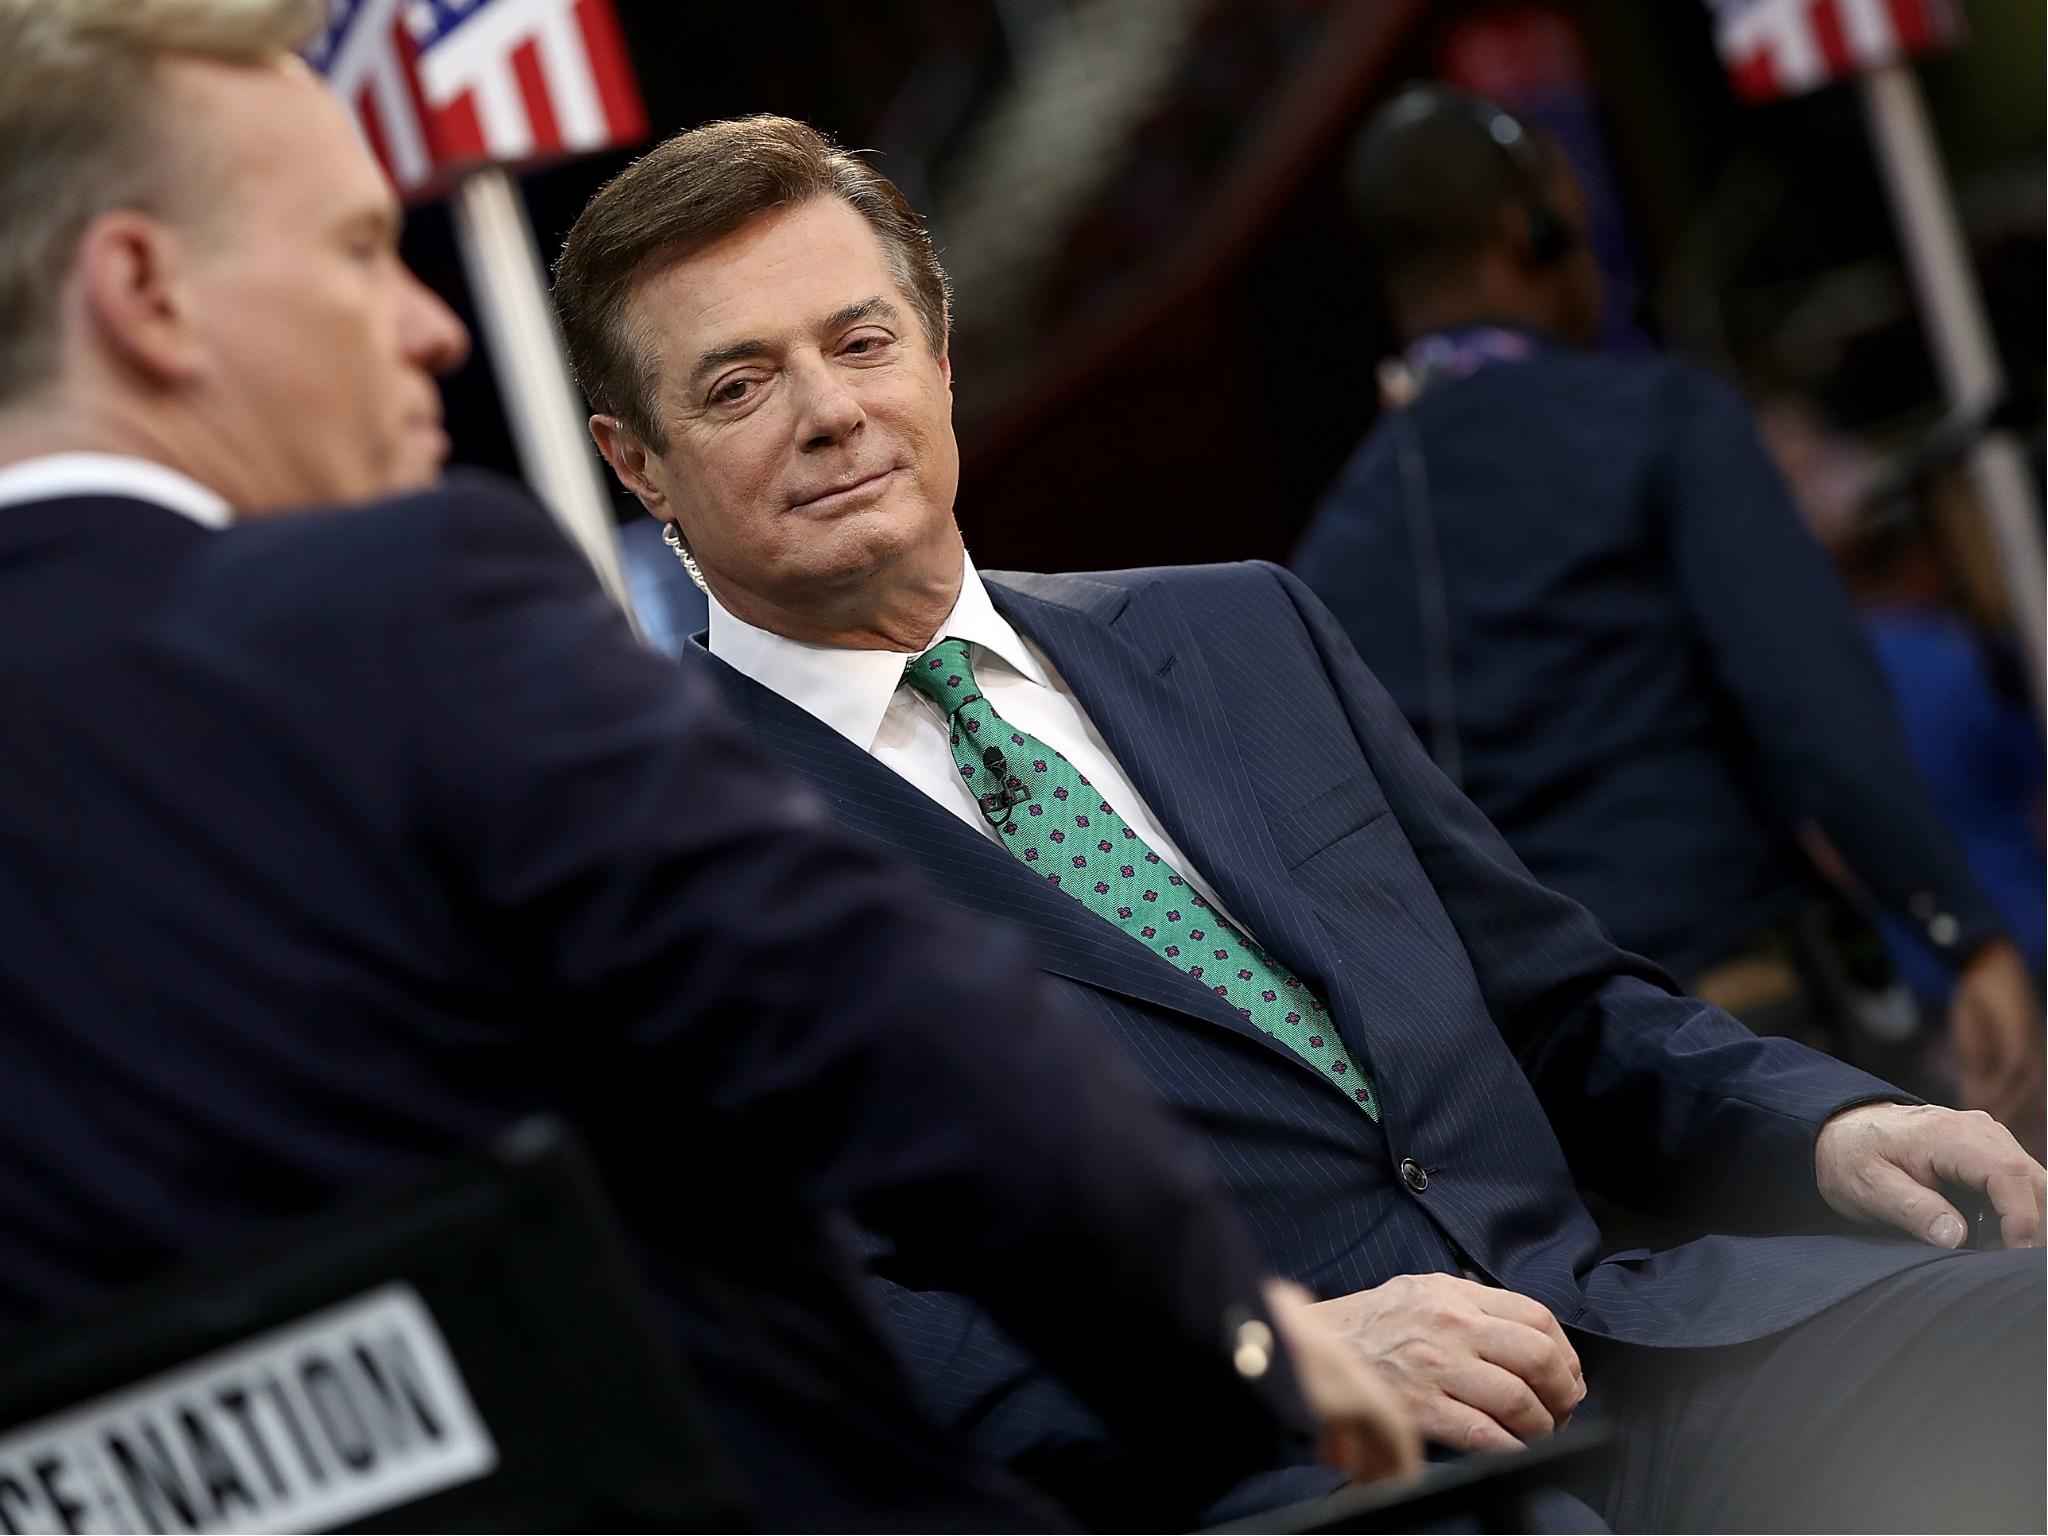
[(419, 473), (868, 548), (843, 548), (419, 457)]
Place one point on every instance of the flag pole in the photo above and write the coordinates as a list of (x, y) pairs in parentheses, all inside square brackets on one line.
[(509, 284), (1960, 338)]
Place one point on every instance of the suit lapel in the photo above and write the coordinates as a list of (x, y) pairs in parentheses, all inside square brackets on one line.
[(1133, 661), (959, 864)]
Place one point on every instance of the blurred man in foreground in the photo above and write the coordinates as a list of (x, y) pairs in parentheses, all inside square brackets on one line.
[(1587, 588), (330, 844), (1230, 850)]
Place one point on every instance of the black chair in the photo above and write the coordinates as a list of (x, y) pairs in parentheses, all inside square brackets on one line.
[(471, 1353)]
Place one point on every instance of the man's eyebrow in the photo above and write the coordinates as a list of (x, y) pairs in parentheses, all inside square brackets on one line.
[(876, 308), (732, 352)]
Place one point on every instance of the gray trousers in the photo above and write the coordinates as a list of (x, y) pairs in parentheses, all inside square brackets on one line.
[(1915, 1405)]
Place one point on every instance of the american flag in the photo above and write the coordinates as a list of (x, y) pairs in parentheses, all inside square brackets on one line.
[(441, 84), (1775, 48)]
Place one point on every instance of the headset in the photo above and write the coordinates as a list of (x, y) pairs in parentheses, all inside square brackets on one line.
[(1551, 240), (1551, 236)]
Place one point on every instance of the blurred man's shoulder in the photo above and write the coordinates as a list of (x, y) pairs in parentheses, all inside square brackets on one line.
[(368, 553), (473, 502), (390, 563)]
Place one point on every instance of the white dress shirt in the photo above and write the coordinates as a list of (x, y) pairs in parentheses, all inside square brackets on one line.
[(55, 475), (862, 696)]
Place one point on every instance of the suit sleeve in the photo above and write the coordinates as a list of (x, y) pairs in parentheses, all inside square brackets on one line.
[(1781, 639), (1660, 1101), (674, 908), (972, 1377)]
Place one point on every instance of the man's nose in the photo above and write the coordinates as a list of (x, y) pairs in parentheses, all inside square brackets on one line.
[(433, 335), (828, 411)]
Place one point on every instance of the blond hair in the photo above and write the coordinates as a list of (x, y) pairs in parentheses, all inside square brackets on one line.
[(78, 132)]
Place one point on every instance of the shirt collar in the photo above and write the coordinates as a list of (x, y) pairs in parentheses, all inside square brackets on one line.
[(52, 476), (850, 690)]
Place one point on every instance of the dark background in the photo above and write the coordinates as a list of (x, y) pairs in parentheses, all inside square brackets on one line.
[(1165, 343)]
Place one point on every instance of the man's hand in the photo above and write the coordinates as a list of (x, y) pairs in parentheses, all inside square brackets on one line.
[(1995, 1021), (1364, 1432), (1480, 1369), (1881, 1163)]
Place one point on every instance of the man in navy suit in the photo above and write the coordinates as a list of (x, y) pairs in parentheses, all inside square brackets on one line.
[(332, 843), (1231, 852)]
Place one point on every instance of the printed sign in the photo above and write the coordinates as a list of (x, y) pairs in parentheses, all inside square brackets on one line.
[(442, 84), (1776, 48), (342, 1414)]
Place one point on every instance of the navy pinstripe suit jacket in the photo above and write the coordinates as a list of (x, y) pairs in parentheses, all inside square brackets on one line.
[(1520, 1054)]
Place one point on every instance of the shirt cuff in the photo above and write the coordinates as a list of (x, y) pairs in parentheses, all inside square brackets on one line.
[(1955, 930)]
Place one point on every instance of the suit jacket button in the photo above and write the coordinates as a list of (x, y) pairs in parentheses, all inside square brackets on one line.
[(1413, 1176)]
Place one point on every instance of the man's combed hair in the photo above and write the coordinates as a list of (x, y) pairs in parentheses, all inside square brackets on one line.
[(78, 133), (688, 192)]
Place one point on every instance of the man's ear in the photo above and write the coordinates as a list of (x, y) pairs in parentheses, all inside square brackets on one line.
[(946, 368), (629, 459), (137, 295)]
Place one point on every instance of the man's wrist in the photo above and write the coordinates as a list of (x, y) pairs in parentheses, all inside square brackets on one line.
[(1992, 948), (1860, 1110), (1841, 1121)]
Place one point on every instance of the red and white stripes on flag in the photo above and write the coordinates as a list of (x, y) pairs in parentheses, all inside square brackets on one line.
[(1776, 48), (437, 85)]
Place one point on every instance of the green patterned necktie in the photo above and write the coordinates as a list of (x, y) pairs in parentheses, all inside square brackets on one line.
[(1048, 815)]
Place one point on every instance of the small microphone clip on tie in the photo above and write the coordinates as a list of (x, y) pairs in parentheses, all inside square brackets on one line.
[(995, 806)]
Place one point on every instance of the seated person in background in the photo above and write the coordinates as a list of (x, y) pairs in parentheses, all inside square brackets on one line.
[(1584, 584), (1405, 1053), (330, 844), (1959, 692)]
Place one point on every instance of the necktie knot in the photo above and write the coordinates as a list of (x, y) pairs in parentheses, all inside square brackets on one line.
[(942, 674)]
